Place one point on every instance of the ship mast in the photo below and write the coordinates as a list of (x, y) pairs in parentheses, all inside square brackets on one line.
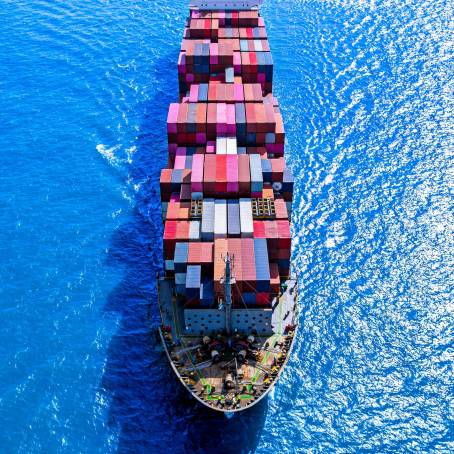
[(228, 296)]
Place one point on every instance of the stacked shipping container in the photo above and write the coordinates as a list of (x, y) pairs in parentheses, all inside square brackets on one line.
[(227, 189)]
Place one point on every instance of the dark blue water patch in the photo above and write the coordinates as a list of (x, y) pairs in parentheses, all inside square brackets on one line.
[(364, 90)]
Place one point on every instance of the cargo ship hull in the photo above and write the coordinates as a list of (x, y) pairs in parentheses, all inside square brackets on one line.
[(227, 297)]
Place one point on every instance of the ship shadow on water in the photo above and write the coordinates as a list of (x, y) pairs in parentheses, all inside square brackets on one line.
[(149, 410)]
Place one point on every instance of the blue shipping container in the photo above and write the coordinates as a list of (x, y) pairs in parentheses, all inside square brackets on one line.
[(262, 266), (181, 257)]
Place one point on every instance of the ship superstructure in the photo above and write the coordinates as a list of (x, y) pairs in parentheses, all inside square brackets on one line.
[(227, 297)]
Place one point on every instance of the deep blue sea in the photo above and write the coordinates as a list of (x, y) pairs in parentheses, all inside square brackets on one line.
[(366, 90)]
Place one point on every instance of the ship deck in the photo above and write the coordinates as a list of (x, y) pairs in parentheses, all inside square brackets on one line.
[(229, 384)]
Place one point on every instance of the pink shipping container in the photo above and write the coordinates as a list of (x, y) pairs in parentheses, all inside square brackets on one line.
[(239, 93), (221, 118), (198, 161), (172, 118), (281, 209), (231, 124), (194, 93), (180, 162), (214, 54), (283, 227), (232, 173), (237, 63), (248, 264)]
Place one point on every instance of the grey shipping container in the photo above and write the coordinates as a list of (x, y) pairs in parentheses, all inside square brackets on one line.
[(194, 230), (233, 218), (208, 220)]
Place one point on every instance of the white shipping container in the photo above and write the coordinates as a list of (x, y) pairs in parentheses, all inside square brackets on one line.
[(220, 218), (246, 220), (221, 145), (208, 219), (256, 168), (231, 146), (194, 230)]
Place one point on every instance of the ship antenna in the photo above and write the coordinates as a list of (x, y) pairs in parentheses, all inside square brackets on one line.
[(228, 296)]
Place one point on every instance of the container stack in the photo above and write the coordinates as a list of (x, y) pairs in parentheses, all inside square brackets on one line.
[(227, 189)]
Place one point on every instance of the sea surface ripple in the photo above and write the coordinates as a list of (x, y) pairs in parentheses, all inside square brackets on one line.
[(366, 91)]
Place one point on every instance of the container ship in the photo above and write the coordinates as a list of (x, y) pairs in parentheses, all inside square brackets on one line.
[(227, 295)]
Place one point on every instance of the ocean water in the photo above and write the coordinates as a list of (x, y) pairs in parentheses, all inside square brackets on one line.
[(366, 91)]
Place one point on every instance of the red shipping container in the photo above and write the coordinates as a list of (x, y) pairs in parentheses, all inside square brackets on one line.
[(169, 239), (235, 17), (259, 229), (253, 62), (170, 230), (262, 299), (283, 254), (221, 174)]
